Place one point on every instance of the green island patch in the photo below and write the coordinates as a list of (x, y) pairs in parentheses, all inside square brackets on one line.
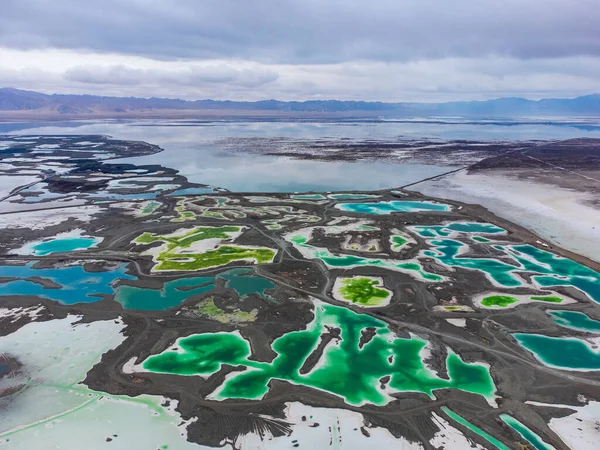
[(546, 298), (501, 301), (363, 291), (208, 308), (398, 242)]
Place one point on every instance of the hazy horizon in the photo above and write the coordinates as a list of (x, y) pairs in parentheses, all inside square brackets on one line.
[(266, 99)]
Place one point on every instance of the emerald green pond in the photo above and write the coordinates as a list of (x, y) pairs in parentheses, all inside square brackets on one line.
[(560, 352), (501, 301), (536, 441), (398, 242), (380, 208), (575, 320), (344, 369)]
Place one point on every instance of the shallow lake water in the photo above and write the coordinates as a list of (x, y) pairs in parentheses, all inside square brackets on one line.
[(575, 320), (196, 149)]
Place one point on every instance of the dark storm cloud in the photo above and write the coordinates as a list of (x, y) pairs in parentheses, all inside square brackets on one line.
[(306, 31)]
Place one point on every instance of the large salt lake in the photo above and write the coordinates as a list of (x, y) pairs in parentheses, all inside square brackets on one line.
[(197, 149)]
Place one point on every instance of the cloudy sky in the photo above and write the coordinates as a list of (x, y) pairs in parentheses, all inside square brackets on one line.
[(388, 50)]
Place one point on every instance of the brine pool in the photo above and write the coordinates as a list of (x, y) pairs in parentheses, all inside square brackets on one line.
[(70, 285)]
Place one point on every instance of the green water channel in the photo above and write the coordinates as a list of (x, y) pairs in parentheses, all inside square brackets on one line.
[(536, 441), (345, 369), (575, 321), (347, 261), (381, 208), (465, 423)]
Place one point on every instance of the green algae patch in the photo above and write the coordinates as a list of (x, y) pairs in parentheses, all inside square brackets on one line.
[(536, 441), (186, 239), (222, 256), (546, 298), (500, 301), (465, 423), (560, 352), (201, 248), (362, 291), (346, 369), (149, 207), (208, 308), (183, 214), (503, 301), (397, 242), (575, 321)]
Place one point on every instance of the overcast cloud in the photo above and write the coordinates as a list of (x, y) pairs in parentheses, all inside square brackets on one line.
[(390, 50)]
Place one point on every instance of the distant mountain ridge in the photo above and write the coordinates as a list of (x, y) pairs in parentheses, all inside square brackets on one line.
[(17, 100)]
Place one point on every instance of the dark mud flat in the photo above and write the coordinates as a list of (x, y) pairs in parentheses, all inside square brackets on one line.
[(572, 164), (439, 152), (194, 273), (77, 170)]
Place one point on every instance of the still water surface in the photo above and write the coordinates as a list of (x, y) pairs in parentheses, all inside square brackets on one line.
[(197, 149)]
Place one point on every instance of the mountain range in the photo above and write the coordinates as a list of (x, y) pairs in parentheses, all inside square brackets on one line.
[(20, 103)]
